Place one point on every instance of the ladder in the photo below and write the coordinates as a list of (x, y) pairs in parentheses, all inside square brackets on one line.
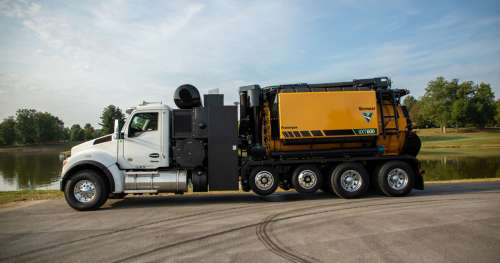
[(395, 116)]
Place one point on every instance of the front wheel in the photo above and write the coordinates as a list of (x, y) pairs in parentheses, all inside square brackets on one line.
[(86, 190)]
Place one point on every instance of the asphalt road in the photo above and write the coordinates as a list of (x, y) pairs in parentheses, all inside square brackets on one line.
[(444, 223)]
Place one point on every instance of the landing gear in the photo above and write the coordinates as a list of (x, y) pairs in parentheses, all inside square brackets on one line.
[(349, 180), (263, 180), (306, 179)]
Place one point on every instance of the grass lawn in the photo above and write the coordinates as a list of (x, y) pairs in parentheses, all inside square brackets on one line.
[(27, 195), (470, 140)]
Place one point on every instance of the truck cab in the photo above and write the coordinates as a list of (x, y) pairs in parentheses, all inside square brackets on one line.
[(144, 141), (158, 149)]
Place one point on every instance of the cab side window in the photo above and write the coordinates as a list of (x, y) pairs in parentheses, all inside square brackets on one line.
[(143, 122)]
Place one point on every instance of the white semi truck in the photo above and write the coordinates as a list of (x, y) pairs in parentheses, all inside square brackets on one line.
[(203, 146)]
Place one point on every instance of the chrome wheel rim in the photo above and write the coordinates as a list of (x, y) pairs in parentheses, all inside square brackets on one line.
[(84, 191), (307, 179), (397, 179), (351, 180), (264, 180)]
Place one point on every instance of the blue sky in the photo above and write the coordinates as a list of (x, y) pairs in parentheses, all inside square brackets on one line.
[(72, 58)]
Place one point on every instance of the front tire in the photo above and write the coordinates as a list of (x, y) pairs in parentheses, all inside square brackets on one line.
[(263, 181), (349, 180), (86, 190), (395, 178)]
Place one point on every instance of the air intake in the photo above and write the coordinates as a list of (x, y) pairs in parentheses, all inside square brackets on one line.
[(187, 97)]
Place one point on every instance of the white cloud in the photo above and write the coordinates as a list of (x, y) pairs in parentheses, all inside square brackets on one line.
[(19, 9), (73, 58), (111, 53)]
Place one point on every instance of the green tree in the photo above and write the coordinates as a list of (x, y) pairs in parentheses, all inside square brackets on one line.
[(48, 128), (109, 114), (76, 133), (67, 134), (419, 116), (25, 126), (409, 102), (461, 108), (89, 132), (497, 116), (8, 131), (484, 108)]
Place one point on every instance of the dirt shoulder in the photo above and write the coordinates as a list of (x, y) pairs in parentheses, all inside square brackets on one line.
[(9, 198)]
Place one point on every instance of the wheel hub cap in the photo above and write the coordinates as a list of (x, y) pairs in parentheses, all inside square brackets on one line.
[(351, 180), (307, 179), (264, 180), (84, 191), (397, 179)]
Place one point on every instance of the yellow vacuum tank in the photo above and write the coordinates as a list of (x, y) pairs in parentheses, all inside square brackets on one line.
[(334, 120), (304, 115)]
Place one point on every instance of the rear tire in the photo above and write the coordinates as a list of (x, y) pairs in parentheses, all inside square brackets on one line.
[(263, 180), (395, 178), (86, 190), (306, 179), (349, 180)]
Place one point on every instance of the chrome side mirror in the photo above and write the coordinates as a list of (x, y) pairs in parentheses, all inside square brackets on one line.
[(116, 131)]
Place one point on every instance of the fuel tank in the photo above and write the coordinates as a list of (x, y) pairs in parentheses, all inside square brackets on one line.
[(171, 181)]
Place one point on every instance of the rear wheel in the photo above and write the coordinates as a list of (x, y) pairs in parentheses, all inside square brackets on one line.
[(306, 179), (395, 178), (349, 180), (263, 180), (86, 190)]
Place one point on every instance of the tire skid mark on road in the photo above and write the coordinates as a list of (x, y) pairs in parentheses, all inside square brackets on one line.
[(264, 236), (271, 242), (283, 218), (130, 228), (201, 216)]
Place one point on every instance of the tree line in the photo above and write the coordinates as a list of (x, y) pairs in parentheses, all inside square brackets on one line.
[(451, 103), (446, 103), (30, 126)]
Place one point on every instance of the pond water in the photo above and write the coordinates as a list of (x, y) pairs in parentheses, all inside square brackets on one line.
[(41, 169), (33, 169)]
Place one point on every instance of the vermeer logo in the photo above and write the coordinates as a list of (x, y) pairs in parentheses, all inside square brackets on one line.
[(367, 115), (366, 108), (288, 127)]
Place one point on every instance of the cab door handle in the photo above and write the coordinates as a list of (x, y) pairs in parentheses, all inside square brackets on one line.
[(154, 155)]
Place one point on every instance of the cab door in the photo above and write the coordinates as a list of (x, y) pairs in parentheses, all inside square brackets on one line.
[(142, 143)]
